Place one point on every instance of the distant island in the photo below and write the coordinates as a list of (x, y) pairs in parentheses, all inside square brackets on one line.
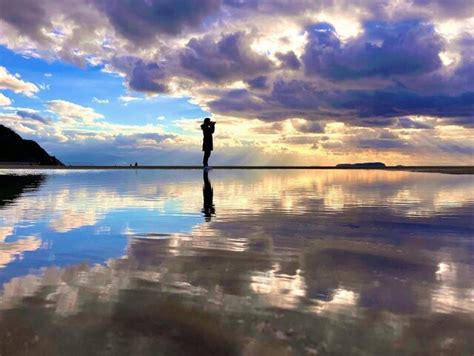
[(361, 165), (14, 150)]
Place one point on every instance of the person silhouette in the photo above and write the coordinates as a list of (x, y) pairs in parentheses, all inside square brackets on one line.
[(208, 208), (207, 145)]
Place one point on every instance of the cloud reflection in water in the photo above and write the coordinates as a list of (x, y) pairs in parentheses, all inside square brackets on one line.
[(313, 260)]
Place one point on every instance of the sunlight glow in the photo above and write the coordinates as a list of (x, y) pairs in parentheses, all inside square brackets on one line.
[(284, 39), (346, 27), (447, 58)]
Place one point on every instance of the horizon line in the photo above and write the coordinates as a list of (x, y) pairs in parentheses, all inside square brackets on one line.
[(91, 166)]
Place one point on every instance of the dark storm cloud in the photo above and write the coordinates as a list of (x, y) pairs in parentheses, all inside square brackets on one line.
[(299, 95), (33, 116), (371, 103), (384, 49), (385, 103), (289, 60), (142, 20), (467, 122), (229, 58), (407, 123), (26, 16), (259, 82), (309, 127), (305, 99), (375, 122), (242, 103), (294, 99), (455, 79), (144, 77)]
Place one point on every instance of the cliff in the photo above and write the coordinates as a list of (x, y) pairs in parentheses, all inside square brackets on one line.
[(14, 150)]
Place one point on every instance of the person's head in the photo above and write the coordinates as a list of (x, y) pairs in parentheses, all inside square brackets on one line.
[(207, 121)]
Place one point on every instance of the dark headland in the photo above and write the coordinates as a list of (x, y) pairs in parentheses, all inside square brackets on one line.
[(362, 165), (14, 150)]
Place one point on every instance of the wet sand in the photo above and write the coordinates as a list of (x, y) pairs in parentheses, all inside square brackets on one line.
[(424, 169), (236, 262)]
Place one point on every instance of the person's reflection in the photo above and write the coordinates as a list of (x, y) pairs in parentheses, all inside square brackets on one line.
[(208, 209)]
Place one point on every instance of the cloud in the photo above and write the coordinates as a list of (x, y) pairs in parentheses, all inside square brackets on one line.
[(274, 128), (33, 116), (16, 84), (381, 144), (127, 99), (229, 58), (73, 112), (298, 140), (447, 8), (4, 100), (384, 49), (243, 103), (308, 126), (259, 82), (289, 60), (145, 77), (407, 123), (142, 76), (144, 139), (26, 16), (142, 20), (100, 101), (306, 99), (386, 103)]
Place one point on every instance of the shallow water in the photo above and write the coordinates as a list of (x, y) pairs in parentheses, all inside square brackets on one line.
[(246, 262)]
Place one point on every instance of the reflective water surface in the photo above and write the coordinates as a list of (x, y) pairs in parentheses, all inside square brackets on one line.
[(236, 262)]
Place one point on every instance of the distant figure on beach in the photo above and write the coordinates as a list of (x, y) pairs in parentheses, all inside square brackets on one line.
[(136, 164), (208, 194), (207, 146)]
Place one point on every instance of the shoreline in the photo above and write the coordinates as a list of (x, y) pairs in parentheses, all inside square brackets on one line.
[(421, 169)]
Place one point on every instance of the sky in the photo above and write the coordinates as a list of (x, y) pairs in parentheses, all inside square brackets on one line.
[(288, 82)]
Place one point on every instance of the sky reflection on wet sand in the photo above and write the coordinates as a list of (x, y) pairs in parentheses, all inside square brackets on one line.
[(285, 262)]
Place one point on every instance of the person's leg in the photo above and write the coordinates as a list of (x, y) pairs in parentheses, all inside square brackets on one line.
[(205, 159)]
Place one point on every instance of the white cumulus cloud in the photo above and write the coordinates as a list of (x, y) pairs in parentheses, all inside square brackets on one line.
[(16, 84), (71, 112), (4, 100)]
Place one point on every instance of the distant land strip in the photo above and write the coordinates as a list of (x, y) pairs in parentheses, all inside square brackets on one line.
[(425, 169)]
